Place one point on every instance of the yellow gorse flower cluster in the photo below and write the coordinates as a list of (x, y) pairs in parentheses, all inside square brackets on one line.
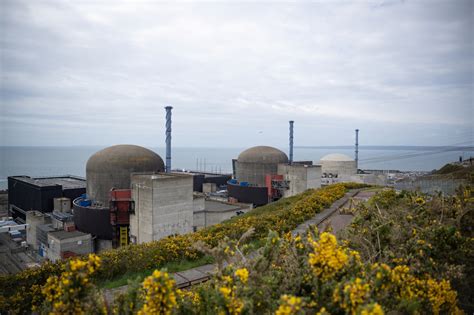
[(159, 293), (63, 294), (407, 286), (327, 258), (354, 295), (289, 305), (373, 309), (233, 305), (242, 274)]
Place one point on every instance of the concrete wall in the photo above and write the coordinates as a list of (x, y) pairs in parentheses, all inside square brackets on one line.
[(341, 168), (209, 187), (33, 219), (216, 212), (432, 185), (163, 206), (300, 177), (62, 204), (254, 173), (80, 245)]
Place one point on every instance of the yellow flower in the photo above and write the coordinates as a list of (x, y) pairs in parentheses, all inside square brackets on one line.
[(374, 309), (159, 294), (327, 258), (289, 305), (242, 274)]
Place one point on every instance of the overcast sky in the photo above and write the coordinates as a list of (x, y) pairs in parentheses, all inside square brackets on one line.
[(100, 72)]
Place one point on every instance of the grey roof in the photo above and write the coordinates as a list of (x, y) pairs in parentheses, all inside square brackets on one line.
[(215, 206), (62, 235), (66, 181), (125, 157), (45, 227), (263, 154)]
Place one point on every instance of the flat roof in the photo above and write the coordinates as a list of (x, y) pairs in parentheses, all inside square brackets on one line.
[(216, 206), (62, 235), (66, 181), (45, 227)]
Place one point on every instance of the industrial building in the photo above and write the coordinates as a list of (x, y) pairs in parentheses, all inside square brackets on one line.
[(26, 193), (337, 167), (209, 211), (255, 163), (64, 244), (300, 176), (163, 206), (264, 174), (101, 211), (53, 235)]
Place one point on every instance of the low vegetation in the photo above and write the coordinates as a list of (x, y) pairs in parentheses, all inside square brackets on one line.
[(404, 253), (21, 291)]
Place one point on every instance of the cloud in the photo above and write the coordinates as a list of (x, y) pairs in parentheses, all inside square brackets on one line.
[(229, 69)]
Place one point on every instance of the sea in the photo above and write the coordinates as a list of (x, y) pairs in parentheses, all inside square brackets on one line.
[(53, 161)]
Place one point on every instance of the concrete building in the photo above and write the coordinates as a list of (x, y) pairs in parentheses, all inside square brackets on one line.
[(253, 164), (210, 212), (107, 170), (62, 204), (33, 220), (163, 206), (62, 244), (300, 177), (337, 168)]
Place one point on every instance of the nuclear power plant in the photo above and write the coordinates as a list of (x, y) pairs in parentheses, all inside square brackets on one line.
[(130, 196)]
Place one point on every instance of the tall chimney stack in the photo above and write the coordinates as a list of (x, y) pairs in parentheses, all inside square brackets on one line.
[(291, 141), (357, 149), (168, 138)]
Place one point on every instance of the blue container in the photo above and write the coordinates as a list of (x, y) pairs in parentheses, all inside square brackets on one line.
[(233, 181), (245, 184), (85, 203)]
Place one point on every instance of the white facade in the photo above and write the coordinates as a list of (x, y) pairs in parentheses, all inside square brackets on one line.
[(163, 206)]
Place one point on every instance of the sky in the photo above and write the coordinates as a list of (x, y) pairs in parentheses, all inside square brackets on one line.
[(100, 72)]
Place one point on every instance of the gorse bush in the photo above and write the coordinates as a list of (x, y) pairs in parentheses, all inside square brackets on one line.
[(403, 254), (313, 274), (21, 291), (423, 232)]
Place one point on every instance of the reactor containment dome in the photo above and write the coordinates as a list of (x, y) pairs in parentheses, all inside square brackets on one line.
[(253, 164), (336, 164), (112, 167)]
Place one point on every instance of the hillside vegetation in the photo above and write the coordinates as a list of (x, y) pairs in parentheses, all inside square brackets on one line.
[(21, 291), (404, 253)]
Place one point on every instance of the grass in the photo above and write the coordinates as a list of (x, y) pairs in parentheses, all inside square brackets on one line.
[(175, 266)]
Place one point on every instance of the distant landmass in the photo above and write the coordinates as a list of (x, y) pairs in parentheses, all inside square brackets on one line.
[(393, 147)]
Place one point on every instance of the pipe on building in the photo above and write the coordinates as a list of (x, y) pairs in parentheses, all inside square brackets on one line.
[(291, 142), (357, 149), (168, 138)]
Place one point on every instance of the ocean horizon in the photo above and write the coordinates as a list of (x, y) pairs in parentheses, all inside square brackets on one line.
[(71, 160)]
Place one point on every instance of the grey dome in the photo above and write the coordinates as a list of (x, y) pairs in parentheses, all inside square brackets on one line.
[(111, 168), (255, 163), (262, 154)]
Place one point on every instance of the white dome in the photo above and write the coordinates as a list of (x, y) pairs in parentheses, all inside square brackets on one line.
[(337, 157)]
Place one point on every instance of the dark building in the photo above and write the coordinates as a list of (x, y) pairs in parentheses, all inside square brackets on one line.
[(201, 178), (26, 193)]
